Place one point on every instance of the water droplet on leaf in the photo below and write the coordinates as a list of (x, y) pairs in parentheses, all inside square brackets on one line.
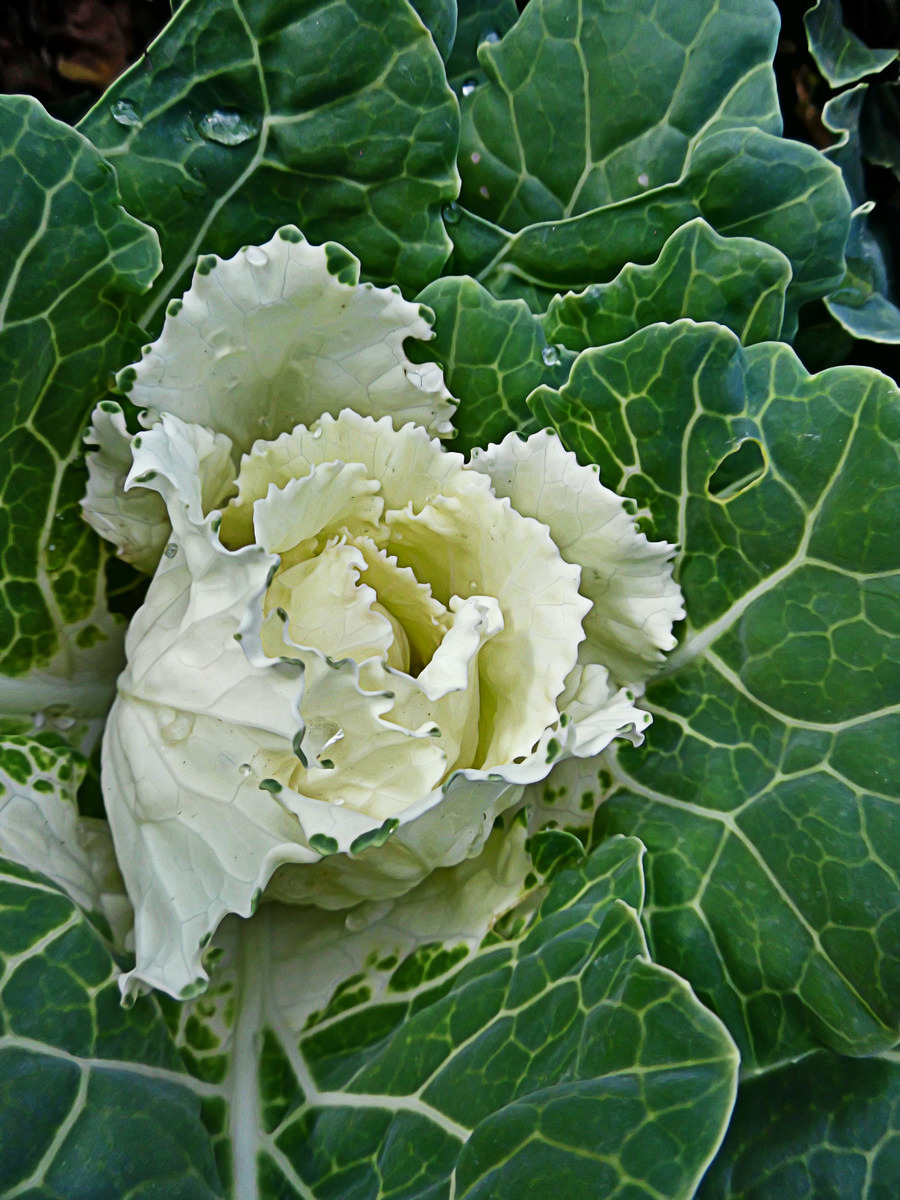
[(245, 769), (550, 355), (227, 127), (469, 87), (490, 35), (126, 112), (451, 213), (171, 550), (255, 256), (644, 179)]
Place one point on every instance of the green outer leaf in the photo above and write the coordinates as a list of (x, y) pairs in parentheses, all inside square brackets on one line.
[(555, 1054), (74, 266), (826, 1127), (477, 21), (573, 118), (861, 304), (494, 352), (439, 18), (743, 182), (738, 282), (765, 793), (841, 56), (93, 1099), (337, 118)]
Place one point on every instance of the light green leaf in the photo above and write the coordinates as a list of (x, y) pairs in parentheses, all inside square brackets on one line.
[(582, 159), (766, 793), (494, 353), (73, 267), (94, 1101), (554, 1055), (862, 303), (243, 118), (738, 282), (826, 1127), (477, 21), (841, 56)]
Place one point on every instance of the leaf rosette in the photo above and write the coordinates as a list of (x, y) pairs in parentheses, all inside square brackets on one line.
[(357, 647)]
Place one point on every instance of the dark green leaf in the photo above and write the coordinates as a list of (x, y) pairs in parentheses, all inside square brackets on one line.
[(494, 353), (738, 282), (477, 21), (582, 158), (766, 790), (560, 1058), (337, 118), (439, 18), (825, 1127), (741, 181), (93, 1099), (589, 104), (73, 267), (841, 56), (863, 303)]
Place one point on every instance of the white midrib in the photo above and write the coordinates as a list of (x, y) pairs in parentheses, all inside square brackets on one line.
[(245, 1123)]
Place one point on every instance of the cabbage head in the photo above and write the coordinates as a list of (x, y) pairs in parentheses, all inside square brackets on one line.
[(357, 648)]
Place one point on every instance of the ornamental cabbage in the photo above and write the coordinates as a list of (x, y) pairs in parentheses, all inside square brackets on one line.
[(357, 648)]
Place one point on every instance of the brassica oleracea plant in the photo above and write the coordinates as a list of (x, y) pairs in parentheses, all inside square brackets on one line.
[(449, 699)]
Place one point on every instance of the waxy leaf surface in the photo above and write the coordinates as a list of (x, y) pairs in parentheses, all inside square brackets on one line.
[(786, 1140), (74, 266), (575, 158), (767, 793), (244, 117), (558, 1054)]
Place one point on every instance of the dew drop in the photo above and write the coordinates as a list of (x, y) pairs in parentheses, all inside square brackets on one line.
[(171, 550), (255, 256), (469, 87), (451, 213), (550, 355), (245, 769), (227, 127), (476, 157), (644, 179), (490, 35), (482, 191), (126, 112), (473, 584), (338, 800)]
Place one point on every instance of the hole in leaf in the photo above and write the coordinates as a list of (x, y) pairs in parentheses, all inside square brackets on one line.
[(737, 471)]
